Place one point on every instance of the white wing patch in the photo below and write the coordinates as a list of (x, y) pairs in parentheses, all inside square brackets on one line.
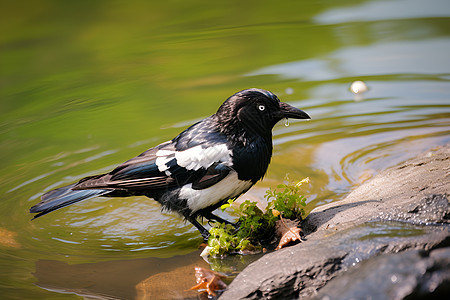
[(162, 158), (227, 188), (163, 152), (194, 158), (197, 157)]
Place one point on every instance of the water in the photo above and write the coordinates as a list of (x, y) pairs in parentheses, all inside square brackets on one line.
[(87, 85)]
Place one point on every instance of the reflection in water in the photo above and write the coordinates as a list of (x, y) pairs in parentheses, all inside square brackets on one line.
[(8, 238), (348, 166), (384, 10), (148, 278), (371, 60)]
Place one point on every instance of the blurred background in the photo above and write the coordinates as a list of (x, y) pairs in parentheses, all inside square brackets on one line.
[(86, 85)]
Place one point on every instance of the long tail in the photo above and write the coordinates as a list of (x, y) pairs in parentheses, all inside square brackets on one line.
[(61, 197)]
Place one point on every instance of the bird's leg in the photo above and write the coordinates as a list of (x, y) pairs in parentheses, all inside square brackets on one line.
[(211, 216), (205, 234)]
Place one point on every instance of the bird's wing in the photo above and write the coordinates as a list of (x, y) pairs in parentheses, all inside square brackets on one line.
[(203, 162), (213, 175), (138, 173)]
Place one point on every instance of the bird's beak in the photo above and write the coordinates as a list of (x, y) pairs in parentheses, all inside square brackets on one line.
[(288, 111)]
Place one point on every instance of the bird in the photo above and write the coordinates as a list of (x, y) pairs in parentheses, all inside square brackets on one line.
[(213, 160)]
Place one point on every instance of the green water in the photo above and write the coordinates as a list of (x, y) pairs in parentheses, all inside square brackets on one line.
[(86, 85)]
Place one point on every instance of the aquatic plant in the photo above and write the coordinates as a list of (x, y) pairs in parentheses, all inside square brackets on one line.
[(257, 228)]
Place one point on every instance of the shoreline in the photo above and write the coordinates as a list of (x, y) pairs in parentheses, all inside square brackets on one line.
[(402, 209)]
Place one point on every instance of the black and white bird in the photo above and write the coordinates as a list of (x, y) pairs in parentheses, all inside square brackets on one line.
[(214, 160)]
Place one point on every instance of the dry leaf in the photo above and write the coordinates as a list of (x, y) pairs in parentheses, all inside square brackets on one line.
[(288, 231), (209, 281)]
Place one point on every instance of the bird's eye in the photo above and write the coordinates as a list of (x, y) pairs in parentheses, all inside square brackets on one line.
[(261, 107)]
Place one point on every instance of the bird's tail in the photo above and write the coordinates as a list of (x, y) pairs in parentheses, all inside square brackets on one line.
[(61, 197)]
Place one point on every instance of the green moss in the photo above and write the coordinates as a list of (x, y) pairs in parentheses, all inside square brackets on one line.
[(255, 226)]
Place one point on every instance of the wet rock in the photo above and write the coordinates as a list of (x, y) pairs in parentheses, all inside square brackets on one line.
[(301, 270), (430, 209), (403, 208), (407, 275), (390, 196), (284, 273)]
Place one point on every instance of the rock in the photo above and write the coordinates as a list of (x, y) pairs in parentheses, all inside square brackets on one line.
[(167, 285), (301, 270), (283, 273), (403, 208), (431, 209), (389, 195), (407, 275)]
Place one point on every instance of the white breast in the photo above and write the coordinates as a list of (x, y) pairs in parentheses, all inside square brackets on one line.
[(227, 188)]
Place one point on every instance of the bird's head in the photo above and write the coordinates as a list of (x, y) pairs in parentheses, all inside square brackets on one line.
[(257, 111)]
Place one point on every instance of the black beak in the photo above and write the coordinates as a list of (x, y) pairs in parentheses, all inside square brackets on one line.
[(288, 111)]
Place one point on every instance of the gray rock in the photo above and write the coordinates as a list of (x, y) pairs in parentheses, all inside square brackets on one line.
[(408, 275), (432, 209), (301, 270), (403, 208)]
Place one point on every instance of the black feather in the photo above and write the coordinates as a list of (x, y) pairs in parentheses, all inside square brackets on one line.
[(61, 197), (213, 175)]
